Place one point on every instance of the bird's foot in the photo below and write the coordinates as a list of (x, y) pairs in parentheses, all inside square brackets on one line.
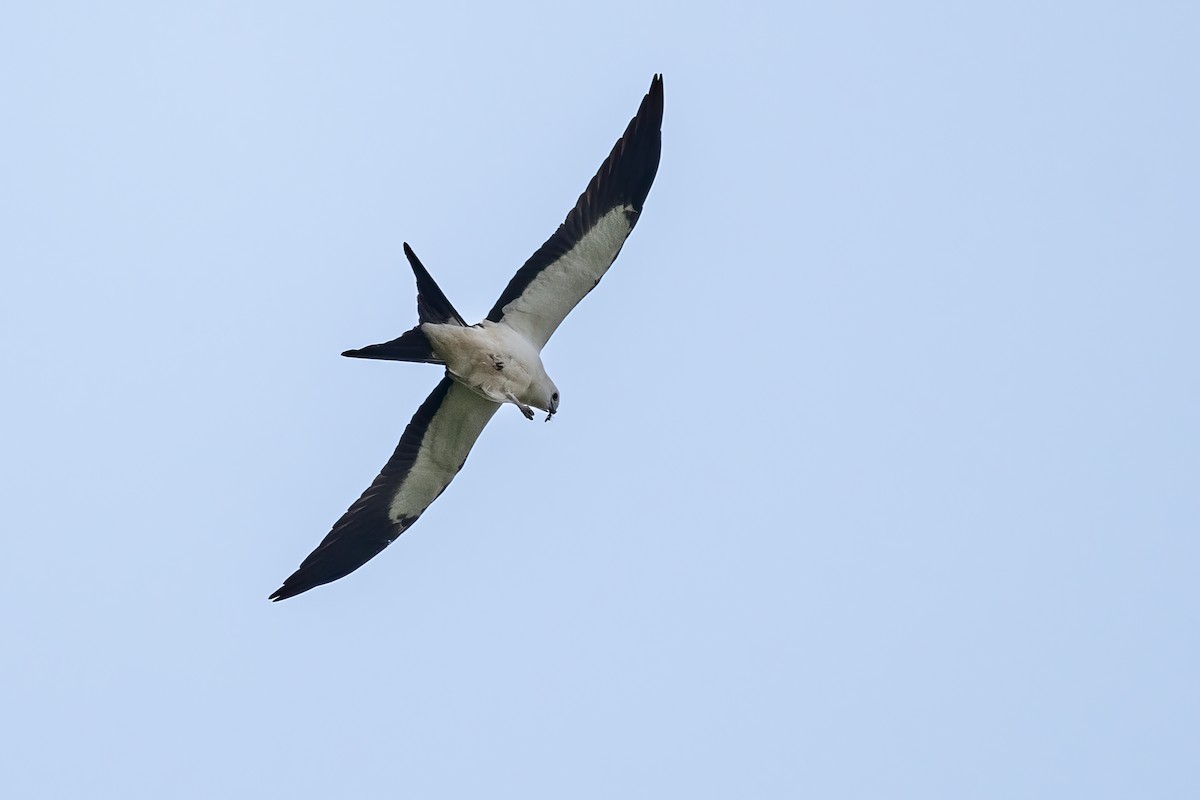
[(526, 410)]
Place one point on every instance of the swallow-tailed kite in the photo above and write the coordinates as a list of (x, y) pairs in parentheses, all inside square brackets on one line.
[(495, 362)]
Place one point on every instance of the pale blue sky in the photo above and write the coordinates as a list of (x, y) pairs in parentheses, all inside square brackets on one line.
[(876, 470)]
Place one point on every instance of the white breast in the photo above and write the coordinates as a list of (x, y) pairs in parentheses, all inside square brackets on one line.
[(490, 358)]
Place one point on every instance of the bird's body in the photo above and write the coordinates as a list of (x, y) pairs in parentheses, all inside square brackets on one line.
[(493, 362), (496, 362)]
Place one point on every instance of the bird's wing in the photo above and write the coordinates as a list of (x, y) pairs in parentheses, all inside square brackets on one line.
[(432, 450), (572, 261)]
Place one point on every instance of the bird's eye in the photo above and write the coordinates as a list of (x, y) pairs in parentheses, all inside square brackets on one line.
[(554, 396)]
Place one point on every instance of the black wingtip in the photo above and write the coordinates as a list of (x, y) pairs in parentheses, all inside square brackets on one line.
[(297, 583), (296, 587), (284, 592), (316, 572)]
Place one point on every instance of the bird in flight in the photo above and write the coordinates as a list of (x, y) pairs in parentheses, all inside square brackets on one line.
[(494, 362)]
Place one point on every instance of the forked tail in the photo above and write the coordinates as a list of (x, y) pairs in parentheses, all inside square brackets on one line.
[(432, 306)]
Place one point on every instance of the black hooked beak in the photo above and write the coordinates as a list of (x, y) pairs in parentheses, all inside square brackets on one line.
[(553, 407)]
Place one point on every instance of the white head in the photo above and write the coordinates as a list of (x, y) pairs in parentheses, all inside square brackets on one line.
[(543, 394)]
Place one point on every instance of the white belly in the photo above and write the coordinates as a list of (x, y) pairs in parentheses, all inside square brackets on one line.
[(491, 359)]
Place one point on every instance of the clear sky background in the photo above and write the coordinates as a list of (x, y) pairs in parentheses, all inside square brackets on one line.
[(876, 470)]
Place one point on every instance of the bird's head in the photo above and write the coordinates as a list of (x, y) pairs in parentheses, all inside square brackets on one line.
[(546, 397)]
